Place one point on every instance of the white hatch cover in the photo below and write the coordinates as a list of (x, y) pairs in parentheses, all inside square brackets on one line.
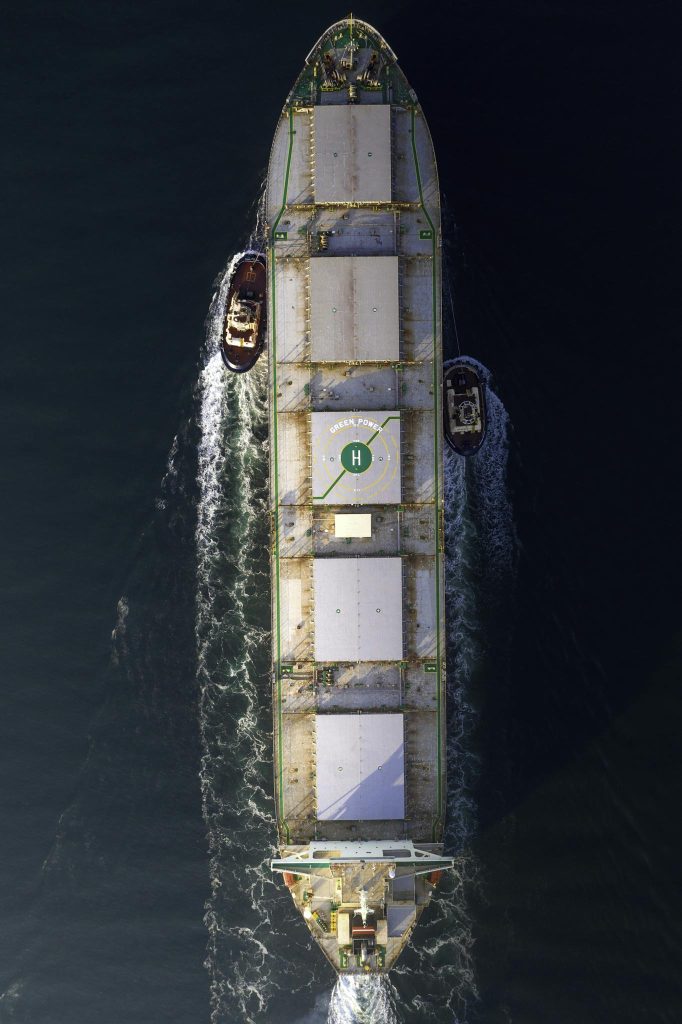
[(354, 308), (353, 525), (352, 153), (358, 607), (360, 767), (356, 457)]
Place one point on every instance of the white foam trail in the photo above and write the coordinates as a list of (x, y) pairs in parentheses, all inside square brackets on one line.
[(480, 560), (362, 1001), (494, 513), (118, 633), (10, 1000), (247, 956), (231, 497)]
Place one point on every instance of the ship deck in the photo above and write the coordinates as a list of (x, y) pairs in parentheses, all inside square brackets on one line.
[(410, 528), (354, 279)]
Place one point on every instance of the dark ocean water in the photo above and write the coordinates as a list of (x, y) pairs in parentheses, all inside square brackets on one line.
[(136, 817)]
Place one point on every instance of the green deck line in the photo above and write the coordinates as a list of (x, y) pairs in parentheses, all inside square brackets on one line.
[(439, 787), (321, 497), (376, 432), (273, 342)]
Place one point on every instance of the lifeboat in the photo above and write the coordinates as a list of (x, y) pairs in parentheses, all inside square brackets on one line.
[(244, 327)]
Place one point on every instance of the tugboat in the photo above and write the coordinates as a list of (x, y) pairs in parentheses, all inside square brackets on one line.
[(463, 407), (244, 328)]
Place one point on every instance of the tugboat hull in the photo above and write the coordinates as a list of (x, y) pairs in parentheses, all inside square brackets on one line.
[(464, 409), (244, 328)]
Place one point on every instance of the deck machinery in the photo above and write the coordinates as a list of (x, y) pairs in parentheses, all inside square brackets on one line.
[(356, 488)]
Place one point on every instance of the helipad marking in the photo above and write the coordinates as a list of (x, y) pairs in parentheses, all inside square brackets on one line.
[(356, 457), (377, 431)]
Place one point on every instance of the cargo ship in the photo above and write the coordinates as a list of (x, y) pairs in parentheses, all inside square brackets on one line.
[(356, 493)]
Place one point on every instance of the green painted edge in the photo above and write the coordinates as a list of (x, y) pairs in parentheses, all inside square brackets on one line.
[(273, 343), (321, 497), (439, 710)]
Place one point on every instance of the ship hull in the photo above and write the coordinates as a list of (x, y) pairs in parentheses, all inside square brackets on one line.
[(356, 496)]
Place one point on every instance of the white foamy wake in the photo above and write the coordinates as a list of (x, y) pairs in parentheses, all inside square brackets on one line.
[(479, 568), (493, 508), (231, 407), (362, 1001), (247, 954)]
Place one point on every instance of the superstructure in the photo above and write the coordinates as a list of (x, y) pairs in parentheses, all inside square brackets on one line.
[(354, 314)]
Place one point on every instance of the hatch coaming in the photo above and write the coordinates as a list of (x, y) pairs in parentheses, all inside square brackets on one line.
[(327, 225)]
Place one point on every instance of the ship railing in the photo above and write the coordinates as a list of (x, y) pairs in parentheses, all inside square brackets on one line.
[(311, 154), (406, 866), (306, 315), (401, 331), (393, 154)]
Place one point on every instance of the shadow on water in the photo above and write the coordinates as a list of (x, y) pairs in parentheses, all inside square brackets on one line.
[(128, 857)]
